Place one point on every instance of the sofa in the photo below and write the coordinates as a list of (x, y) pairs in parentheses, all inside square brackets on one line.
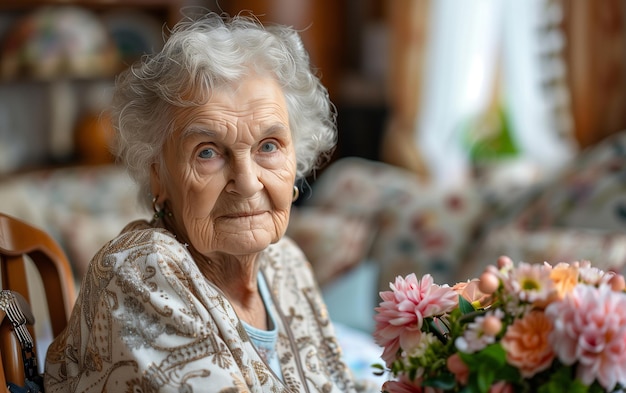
[(363, 222), (366, 222)]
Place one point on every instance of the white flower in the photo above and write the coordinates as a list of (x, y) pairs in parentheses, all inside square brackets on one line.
[(474, 337), (531, 282), (420, 347)]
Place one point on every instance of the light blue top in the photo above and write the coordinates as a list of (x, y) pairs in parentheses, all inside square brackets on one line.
[(265, 340)]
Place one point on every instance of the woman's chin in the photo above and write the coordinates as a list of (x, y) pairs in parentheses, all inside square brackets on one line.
[(246, 242)]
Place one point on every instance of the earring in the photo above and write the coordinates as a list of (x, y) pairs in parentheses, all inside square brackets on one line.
[(296, 193), (158, 213)]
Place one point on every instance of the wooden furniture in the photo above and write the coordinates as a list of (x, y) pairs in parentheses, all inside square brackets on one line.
[(168, 10), (596, 60), (21, 243), (320, 23), (408, 29), (47, 95)]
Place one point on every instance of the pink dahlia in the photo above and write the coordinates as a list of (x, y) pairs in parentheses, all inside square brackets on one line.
[(400, 387), (404, 385), (590, 328), (401, 314)]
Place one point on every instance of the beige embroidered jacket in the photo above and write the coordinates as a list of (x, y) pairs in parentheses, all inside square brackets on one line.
[(147, 320)]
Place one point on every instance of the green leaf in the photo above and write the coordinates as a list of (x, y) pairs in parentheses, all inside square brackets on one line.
[(488, 366), (597, 388), (485, 379), (444, 381), (480, 382), (492, 356), (509, 373), (413, 373), (562, 380), (379, 369), (431, 327), (465, 306)]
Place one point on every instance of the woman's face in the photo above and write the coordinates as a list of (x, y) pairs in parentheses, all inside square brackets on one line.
[(230, 170)]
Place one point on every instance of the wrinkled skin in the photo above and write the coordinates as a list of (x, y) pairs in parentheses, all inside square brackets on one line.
[(228, 183)]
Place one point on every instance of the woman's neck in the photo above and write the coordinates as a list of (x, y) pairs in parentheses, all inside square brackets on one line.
[(235, 276), (238, 280)]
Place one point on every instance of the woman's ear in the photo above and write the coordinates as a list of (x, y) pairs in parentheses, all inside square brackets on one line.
[(157, 185)]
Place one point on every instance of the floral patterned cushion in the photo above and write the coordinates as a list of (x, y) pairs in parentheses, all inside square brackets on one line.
[(366, 210), (334, 242), (81, 207), (591, 193), (580, 214), (409, 226)]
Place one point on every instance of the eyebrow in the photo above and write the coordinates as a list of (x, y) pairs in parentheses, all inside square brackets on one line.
[(276, 127), (197, 130), (200, 130)]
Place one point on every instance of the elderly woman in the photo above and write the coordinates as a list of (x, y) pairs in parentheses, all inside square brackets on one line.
[(209, 296)]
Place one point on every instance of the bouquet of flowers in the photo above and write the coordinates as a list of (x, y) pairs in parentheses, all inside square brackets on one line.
[(518, 328)]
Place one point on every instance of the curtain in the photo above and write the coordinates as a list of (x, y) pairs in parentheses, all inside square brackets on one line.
[(493, 88)]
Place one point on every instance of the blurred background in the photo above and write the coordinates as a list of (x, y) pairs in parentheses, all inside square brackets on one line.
[(487, 96), (440, 87), (58, 59), (479, 128)]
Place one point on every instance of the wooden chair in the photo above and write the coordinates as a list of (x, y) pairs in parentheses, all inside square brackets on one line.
[(19, 242)]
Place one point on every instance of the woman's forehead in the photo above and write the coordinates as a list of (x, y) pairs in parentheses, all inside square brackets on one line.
[(259, 99)]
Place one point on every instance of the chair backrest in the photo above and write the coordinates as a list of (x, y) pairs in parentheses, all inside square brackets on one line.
[(20, 242)]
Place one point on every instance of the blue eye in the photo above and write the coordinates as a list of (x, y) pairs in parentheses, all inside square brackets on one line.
[(268, 147), (207, 153)]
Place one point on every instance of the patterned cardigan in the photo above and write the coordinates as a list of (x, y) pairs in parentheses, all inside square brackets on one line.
[(147, 320)]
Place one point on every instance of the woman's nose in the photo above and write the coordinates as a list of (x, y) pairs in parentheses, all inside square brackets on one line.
[(244, 177)]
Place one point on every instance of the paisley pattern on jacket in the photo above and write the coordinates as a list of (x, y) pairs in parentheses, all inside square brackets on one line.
[(147, 320)]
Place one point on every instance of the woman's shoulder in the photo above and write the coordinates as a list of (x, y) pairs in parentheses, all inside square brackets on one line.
[(141, 234), (138, 245), (285, 259), (140, 259), (287, 252)]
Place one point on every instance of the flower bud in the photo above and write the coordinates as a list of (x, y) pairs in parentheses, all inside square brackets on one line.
[(488, 283), (458, 368), (492, 325), (617, 282), (504, 262)]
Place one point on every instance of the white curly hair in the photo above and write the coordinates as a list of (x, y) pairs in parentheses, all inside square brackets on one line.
[(203, 54)]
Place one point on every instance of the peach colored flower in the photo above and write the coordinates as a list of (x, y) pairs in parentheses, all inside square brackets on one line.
[(469, 291), (526, 343), (565, 277), (458, 368), (501, 387), (401, 314), (590, 328)]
